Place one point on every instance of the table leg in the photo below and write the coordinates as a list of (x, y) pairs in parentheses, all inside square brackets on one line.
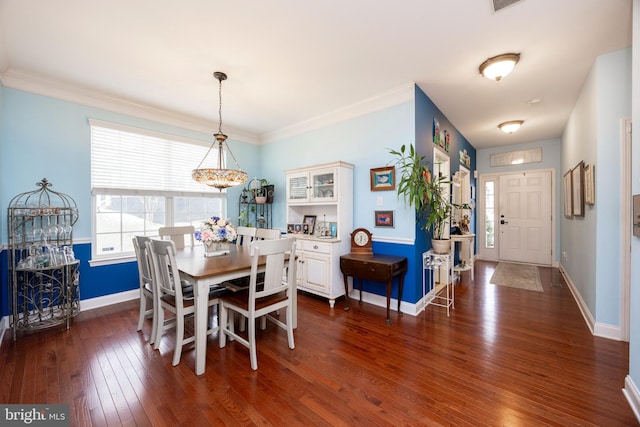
[(201, 295), (346, 292), (389, 299), (400, 284)]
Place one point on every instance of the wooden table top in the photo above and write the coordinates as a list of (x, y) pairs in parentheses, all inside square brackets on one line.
[(191, 261)]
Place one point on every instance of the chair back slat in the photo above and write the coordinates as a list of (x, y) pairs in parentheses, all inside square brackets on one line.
[(246, 235), (165, 268), (274, 251), (267, 234), (144, 266), (181, 235)]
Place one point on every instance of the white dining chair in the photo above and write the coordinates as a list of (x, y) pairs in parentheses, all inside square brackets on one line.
[(181, 235), (262, 298), (267, 234), (147, 302), (246, 235), (170, 296)]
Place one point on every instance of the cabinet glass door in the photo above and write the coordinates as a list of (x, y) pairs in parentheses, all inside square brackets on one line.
[(297, 187), (324, 184)]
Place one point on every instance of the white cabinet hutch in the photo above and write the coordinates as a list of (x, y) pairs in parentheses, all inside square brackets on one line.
[(326, 192)]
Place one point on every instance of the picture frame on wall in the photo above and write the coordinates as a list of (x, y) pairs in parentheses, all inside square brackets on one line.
[(384, 219), (568, 194), (589, 185), (577, 182), (383, 179)]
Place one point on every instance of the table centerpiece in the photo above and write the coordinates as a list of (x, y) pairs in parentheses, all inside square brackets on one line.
[(214, 233)]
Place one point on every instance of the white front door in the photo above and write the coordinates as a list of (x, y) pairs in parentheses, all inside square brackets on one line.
[(524, 220)]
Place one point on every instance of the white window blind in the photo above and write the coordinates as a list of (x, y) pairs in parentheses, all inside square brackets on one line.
[(136, 159)]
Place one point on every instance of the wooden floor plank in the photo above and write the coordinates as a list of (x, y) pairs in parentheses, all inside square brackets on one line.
[(503, 357)]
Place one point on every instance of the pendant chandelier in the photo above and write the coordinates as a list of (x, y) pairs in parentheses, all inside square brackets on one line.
[(220, 177)]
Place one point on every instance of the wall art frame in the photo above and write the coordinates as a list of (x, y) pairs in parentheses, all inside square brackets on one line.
[(568, 194), (577, 184), (589, 185), (383, 179), (384, 219)]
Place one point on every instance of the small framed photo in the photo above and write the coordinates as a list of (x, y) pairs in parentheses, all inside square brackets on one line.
[(308, 224), (383, 179), (383, 219)]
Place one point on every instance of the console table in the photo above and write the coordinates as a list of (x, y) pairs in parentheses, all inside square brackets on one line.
[(376, 268)]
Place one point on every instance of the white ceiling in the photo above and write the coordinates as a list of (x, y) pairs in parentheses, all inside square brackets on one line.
[(289, 61)]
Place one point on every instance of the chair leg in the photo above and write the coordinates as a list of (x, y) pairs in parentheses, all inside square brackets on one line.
[(290, 326), (159, 327), (143, 310), (223, 314), (251, 335), (179, 338), (154, 326), (263, 323)]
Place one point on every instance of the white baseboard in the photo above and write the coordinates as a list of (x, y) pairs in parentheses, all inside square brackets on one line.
[(630, 391), (381, 301), (603, 330)]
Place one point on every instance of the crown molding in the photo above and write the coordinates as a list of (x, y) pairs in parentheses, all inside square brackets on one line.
[(39, 85), (398, 95)]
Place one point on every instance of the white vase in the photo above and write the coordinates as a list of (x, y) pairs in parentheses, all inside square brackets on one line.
[(212, 249), (441, 247)]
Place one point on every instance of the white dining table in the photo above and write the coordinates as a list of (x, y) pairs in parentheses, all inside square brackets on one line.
[(204, 272)]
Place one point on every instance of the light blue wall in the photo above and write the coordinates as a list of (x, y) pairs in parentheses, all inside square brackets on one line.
[(592, 242), (551, 159), (43, 137), (363, 141)]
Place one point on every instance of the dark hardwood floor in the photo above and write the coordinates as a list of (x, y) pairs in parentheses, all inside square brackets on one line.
[(505, 357)]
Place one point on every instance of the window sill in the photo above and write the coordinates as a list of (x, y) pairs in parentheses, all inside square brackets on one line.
[(109, 261)]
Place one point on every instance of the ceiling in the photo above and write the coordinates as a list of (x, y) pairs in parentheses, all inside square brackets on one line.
[(290, 61)]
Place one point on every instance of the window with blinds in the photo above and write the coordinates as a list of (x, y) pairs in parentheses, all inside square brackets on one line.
[(141, 181)]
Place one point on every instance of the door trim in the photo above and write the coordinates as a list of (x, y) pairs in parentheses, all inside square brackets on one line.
[(492, 254), (625, 259)]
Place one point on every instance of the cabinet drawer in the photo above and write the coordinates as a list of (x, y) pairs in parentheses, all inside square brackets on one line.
[(313, 246)]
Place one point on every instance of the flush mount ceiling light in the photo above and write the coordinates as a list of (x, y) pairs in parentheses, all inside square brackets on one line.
[(499, 66), (510, 126), (219, 177)]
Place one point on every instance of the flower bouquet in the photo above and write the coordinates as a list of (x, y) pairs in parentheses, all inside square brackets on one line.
[(213, 233)]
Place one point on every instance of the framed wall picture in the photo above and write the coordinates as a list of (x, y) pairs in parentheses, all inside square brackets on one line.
[(568, 195), (577, 182), (383, 219), (383, 179), (589, 185), (308, 224)]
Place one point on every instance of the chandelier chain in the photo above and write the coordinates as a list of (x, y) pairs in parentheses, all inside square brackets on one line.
[(220, 106)]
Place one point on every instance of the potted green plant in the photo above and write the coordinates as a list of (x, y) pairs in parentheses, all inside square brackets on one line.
[(427, 194)]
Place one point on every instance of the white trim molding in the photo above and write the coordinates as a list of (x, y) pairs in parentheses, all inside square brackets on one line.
[(603, 330), (630, 391), (67, 92), (396, 96)]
